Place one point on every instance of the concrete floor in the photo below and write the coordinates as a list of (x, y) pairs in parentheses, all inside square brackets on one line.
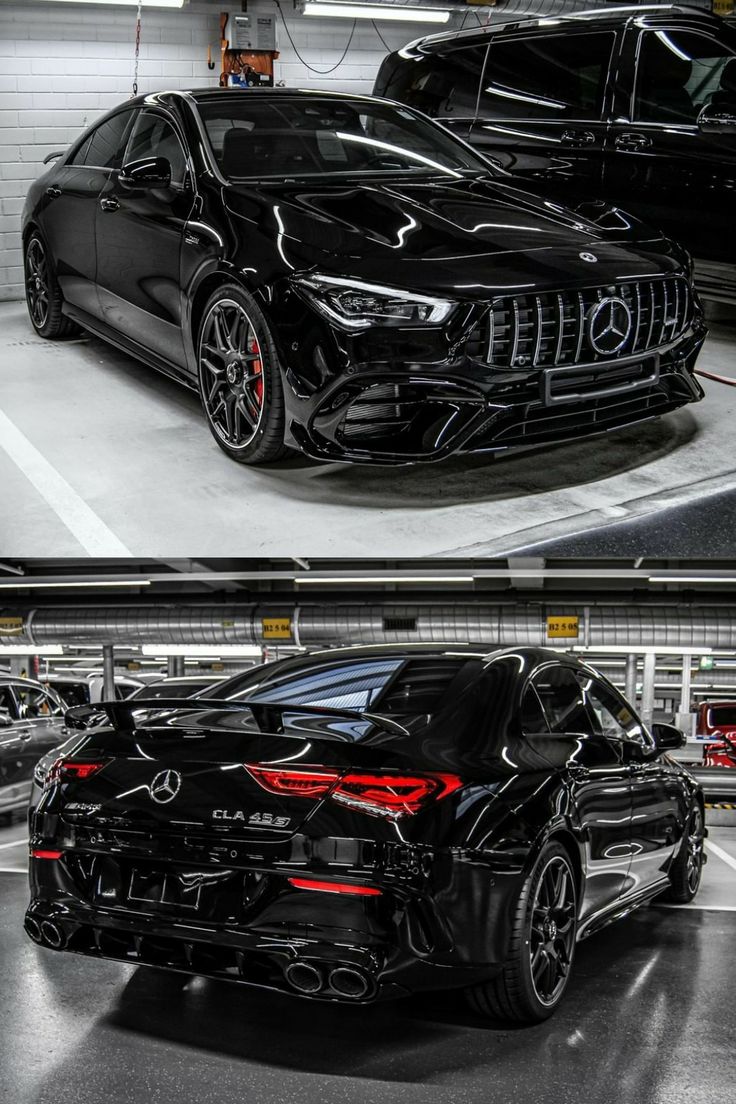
[(649, 1019), (102, 455)]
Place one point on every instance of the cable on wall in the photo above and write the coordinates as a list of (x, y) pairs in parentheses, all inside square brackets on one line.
[(311, 68)]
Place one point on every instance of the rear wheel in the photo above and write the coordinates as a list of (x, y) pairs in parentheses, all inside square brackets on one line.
[(240, 379), (535, 976), (687, 866), (43, 296)]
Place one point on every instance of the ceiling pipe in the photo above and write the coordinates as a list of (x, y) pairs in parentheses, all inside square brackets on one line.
[(322, 625)]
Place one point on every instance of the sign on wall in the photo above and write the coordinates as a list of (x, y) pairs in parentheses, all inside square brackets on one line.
[(567, 627), (276, 628)]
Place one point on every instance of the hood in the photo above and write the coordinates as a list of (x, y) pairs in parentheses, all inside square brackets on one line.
[(468, 237)]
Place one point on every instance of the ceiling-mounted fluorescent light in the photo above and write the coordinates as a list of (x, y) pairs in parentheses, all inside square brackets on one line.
[(31, 649), (640, 649), (125, 3), (396, 12), (719, 580), (216, 651), (71, 584), (380, 580)]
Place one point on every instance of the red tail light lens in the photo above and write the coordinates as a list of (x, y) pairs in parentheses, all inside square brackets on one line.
[(64, 770), (389, 795), (335, 887), (294, 783), (46, 854)]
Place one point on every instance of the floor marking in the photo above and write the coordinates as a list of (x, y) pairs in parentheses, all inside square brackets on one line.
[(79, 518), (724, 855), (703, 908), (15, 843), (12, 870)]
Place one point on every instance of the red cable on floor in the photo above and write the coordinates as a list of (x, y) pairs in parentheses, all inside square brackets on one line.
[(713, 376)]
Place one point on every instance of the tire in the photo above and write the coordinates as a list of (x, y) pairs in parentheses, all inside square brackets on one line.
[(43, 295), (687, 865), (535, 976), (239, 378)]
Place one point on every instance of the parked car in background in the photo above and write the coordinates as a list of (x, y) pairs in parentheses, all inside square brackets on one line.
[(184, 686), (369, 822), (717, 721), (81, 690), (633, 106), (31, 723), (341, 275)]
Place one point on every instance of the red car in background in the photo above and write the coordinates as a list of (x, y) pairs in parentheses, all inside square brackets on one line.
[(717, 720)]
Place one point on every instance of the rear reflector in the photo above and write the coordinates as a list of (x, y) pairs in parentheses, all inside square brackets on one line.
[(335, 887), (64, 770), (389, 795), (46, 854)]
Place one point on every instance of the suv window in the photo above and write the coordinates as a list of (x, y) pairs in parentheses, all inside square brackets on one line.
[(154, 136), (34, 703), (440, 85), (103, 148), (679, 73), (547, 76)]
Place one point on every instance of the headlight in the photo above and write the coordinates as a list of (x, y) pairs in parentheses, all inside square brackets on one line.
[(356, 305)]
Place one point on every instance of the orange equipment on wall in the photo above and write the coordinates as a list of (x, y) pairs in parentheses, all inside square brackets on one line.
[(248, 44)]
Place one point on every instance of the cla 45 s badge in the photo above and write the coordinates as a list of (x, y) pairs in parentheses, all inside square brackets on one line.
[(264, 820)]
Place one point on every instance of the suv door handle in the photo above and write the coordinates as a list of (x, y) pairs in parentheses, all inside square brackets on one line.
[(53, 191), (577, 137), (632, 143), (109, 204)]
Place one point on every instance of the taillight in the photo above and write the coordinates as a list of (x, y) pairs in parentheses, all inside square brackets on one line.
[(64, 770), (46, 854), (389, 795), (335, 887)]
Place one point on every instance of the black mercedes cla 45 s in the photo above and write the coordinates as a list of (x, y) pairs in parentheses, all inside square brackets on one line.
[(342, 275), (367, 823)]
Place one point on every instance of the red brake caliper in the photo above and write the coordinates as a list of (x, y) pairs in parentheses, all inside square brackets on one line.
[(257, 367)]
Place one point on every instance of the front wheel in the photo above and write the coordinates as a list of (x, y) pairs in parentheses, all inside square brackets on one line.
[(240, 379), (536, 973), (687, 865)]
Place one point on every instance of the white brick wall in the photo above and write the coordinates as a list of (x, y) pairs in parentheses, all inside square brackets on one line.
[(63, 65)]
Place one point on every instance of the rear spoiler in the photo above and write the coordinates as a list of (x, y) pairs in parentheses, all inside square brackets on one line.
[(121, 713)]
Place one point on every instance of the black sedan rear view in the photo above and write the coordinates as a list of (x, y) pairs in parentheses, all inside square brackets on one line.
[(369, 823), (341, 275)]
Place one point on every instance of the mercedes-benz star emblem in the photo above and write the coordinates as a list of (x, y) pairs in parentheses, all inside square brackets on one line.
[(589, 257), (609, 326), (165, 786)]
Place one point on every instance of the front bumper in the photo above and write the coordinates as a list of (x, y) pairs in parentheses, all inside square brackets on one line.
[(406, 397)]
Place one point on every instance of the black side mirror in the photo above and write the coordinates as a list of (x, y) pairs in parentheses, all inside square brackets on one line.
[(667, 738), (149, 172), (718, 118)]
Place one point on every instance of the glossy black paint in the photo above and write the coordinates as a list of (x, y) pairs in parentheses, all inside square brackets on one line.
[(136, 265), (31, 724), (449, 875), (674, 174)]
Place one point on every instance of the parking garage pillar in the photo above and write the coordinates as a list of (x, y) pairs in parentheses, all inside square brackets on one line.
[(171, 667), (630, 679), (647, 689), (108, 672)]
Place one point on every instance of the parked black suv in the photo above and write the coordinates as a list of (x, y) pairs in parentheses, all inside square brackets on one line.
[(632, 105)]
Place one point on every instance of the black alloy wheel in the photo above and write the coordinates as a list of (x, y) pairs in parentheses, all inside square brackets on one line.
[(239, 378), (687, 866), (43, 297), (542, 946)]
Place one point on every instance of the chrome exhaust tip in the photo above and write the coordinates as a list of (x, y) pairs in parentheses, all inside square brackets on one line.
[(53, 936), (349, 982), (33, 929), (303, 977)]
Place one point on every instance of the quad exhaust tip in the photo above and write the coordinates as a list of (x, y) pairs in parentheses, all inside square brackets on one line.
[(53, 935), (348, 982), (33, 929), (304, 977)]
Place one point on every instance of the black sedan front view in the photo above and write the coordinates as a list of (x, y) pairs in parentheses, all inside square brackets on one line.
[(341, 275), (463, 830)]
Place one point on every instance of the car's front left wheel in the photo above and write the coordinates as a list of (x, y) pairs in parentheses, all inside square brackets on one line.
[(239, 378), (43, 295)]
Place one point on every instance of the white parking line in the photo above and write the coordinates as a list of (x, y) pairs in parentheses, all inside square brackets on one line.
[(79, 518), (15, 843), (724, 855), (12, 870)]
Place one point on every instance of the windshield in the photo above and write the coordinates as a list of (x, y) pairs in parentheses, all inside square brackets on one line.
[(723, 715), (316, 136)]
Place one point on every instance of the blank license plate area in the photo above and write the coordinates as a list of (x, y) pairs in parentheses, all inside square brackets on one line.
[(164, 888), (563, 385)]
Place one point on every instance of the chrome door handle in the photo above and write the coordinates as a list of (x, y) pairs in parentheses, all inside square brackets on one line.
[(577, 137), (53, 191), (109, 204), (632, 143)]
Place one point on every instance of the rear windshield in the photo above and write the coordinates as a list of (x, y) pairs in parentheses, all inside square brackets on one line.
[(298, 137), (723, 715)]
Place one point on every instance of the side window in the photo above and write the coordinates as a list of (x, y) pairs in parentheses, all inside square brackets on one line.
[(546, 77), (562, 700), (613, 715), (33, 703), (443, 85), (103, 148), (679, 72), (533, 719), (7, 704), (154, 136)]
